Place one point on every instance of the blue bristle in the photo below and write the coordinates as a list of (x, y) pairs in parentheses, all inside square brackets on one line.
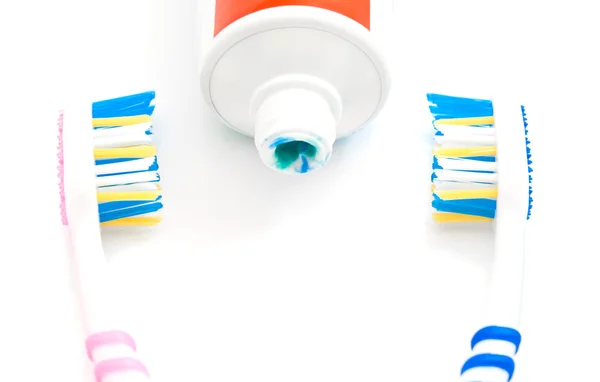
[(152, 168), (126, 112), (476, 158), (132, 99), (114, 160), (477, 207), (128, 101), (136, 104), (529, 162), (436, 165), (444, 106), (148, 130), (130, 212)]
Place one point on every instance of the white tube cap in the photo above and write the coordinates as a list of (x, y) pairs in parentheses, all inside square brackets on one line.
[(295, 123)]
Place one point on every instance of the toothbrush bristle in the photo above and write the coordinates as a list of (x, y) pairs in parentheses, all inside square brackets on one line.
[(61, 169), (464, 164), (127, 176), (127, 106), (529, 162)]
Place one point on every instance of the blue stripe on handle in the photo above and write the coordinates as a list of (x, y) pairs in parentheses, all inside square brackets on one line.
[(500, 333), (490, 360)]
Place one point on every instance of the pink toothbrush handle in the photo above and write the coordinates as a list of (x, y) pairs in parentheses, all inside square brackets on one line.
[(114, 352)]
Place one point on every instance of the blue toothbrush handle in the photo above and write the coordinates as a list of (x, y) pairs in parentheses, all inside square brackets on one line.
[(494, 349)]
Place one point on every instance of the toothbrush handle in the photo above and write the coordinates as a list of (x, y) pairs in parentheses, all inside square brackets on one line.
[(114, 356), (494, 346), (492, 360)]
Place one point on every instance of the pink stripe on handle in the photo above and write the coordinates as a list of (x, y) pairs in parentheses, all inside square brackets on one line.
[(112, 337), (118, 365)]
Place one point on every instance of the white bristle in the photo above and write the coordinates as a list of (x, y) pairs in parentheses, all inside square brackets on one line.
[(463, 139), (446, 185), (128, 166), (131, 187), (122, 141), (467, 130), (465, 176), (119, 180), (123, 136), (140, 128)]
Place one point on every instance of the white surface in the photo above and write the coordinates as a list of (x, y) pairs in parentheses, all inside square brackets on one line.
[(336, 276)]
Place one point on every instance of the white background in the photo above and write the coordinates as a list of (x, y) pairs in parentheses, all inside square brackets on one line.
[(337, 276)]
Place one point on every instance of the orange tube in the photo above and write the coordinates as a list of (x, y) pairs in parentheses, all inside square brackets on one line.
[(229, 11)]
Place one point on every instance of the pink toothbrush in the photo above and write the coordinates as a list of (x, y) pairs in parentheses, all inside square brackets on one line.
[(111, 350)]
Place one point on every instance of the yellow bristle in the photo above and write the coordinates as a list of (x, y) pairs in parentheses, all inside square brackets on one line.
[(121, 121), (444, 217), (126, 152), (482, 193), (118, 196), (464, 152), (471, 121), (147, 221)]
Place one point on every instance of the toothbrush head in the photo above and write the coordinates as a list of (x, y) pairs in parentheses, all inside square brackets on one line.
[(126, 163), (465, 162)]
